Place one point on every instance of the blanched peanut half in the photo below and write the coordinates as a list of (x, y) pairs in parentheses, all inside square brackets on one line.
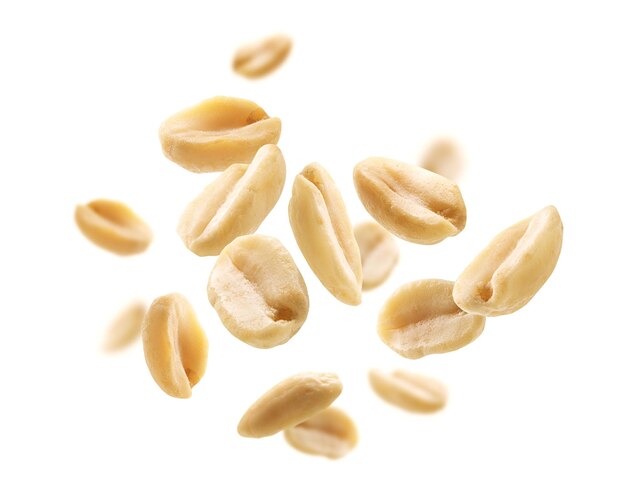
[(113, 226), (322, 229), (174, 345), (444, 158), (262, 57), (330, 433), (513, 267), (289, 403), (126, 327), (379, 253), (258, 292), (410, 391), (421, 318), (235, 204), (411, 202), (217, 133)]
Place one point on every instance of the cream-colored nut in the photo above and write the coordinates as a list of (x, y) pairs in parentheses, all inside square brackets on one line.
[(174, 345), (379, 253), (410, 391), (113, 226), (258, 292), (421, 318), (126, 328), (513, 267), (289, 403), (217, 133), (330, 433), (235, 204), (322, 229), (444, 158), (260, 58), (413, 203)]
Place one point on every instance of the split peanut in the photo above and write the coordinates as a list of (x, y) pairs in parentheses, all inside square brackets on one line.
[(174, 345), (513, 267), (421, 318), (409, 391), (289, 403), (379, 253), (126, 328), (322, 229), (260, 58), (113, 226), (216, 133), (258, 292), (330, 433), (444, 158), (235, 204), (411, 202)]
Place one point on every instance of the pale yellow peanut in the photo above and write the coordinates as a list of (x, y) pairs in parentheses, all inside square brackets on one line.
[(330, 433), (174, 345), (234, 204), (322, 229), (289, 403), (410, 391), (113, 226), (216, 133), (258, 292), (444, 158), (379, 253), (421, 318), (260, 58), (413, 203), (513, 267), (126, 328)]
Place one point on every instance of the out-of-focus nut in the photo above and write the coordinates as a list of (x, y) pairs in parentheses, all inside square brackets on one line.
[(410, 391), (217, 133), (289, 403), (235, 204), (174, 345), (330, 433), (126, 327), (513, 267), (322, 229), (444, 158), (413, 203), (421, 318), (258, 292), (260, 58), (113, 226), (379, 253)]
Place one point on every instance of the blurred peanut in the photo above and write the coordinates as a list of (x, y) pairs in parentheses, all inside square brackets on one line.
[(113, 226)]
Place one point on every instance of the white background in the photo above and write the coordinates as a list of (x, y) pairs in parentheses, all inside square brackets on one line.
[(535, 94)]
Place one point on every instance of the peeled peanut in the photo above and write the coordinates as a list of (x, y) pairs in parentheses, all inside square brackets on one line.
[(174, 345), (444, 158), (330, 433), (379, 253), (113, 226), (289, 403), (513, 267), (421, 318), (322, 229), (126, 327), (260, 58), (409, 391), (234, 204), (216, 133), (258, 292), (411, 202)]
